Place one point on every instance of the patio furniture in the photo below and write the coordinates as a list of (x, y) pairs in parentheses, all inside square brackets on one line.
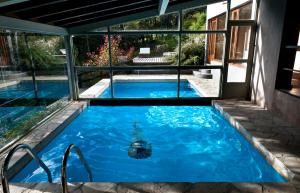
[(144, 52)]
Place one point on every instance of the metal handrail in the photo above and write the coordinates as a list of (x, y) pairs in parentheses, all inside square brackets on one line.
[(64, 182), (8, 157)]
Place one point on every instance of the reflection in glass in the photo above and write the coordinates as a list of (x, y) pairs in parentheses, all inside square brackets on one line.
[(239, 42)]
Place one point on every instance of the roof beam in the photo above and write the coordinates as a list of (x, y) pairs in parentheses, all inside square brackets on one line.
[(100, 13), (10, 2), (162, 6), (29, 26), (111, 16), (63, 10), (38, 6), (149, 13)]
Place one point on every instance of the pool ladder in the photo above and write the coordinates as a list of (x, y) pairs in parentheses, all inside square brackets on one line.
[(8, 157), (64, 182)]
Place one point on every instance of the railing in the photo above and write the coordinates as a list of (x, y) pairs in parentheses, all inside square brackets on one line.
[(4, 170), (64, 182)]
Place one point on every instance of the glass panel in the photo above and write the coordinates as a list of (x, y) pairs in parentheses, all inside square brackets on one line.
[(239, 43), (240, 9), (144, 50), (216, 16), (215, 49), (237, 72), (49, 66), (163, 22), (33, 81), (92, 83), (199, 83), (91, 50), (193, 49), (144, 84)]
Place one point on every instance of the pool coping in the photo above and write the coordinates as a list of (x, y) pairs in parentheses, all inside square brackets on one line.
[(277, 164), (40, 136)]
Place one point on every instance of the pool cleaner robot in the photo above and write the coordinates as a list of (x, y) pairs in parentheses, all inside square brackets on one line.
[(139, 149)]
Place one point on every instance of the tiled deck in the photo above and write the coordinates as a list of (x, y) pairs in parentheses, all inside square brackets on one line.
[(278, 137)]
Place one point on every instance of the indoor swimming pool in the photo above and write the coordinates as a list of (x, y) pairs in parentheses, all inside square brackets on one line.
[(186, 144)]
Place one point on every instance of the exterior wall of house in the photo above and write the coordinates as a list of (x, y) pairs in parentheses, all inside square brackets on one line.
[(269, 33)]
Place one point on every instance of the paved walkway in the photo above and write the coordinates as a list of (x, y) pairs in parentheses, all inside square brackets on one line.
[(276, 136)]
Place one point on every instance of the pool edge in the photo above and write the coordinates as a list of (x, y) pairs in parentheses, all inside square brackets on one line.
[(277, 164), (39, 137)]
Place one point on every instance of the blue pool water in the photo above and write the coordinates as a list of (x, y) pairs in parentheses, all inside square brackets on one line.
[(46, 89), (151, 89), (189, 144)]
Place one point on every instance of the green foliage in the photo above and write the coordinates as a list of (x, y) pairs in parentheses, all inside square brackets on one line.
[(193, 50), (42, 50), (195, 20), (101, 56)]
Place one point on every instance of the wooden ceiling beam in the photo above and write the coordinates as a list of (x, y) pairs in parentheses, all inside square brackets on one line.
[(92, 24), (102, 12), (116, 15)]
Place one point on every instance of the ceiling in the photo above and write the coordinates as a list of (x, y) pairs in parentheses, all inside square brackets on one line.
[(75, 16), (70, 13)]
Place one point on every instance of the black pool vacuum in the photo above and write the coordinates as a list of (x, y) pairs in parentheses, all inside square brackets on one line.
[(140, 149)]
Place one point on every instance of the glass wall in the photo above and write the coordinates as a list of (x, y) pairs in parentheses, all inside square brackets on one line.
[(33, 80), (186, 47), (144, 49), (157, 53)]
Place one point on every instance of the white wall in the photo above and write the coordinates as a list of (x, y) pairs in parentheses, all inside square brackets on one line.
[(267, 49), (218, 8), (268, 41)]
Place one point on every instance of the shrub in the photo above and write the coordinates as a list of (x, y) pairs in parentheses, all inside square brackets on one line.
[(42, 50), (101, 56), (193, 53)]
